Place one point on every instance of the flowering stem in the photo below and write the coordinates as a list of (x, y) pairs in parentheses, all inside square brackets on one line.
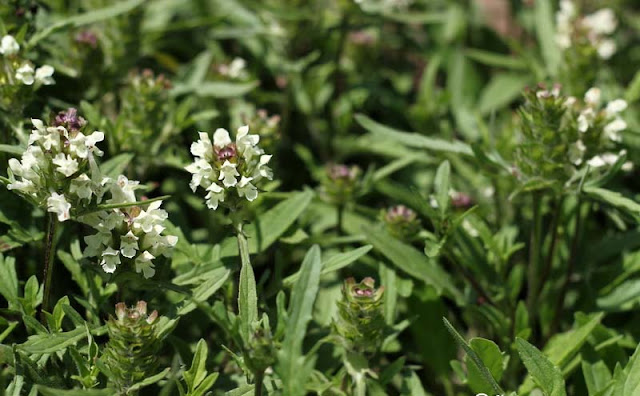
[(259, 381), (534, 251), (49, 249)]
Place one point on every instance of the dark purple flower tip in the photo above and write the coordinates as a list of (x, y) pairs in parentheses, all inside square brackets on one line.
[(87, 37), (70, 119)]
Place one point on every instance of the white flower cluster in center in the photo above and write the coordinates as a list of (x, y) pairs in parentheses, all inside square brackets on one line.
[(128, 234), (223, 166)]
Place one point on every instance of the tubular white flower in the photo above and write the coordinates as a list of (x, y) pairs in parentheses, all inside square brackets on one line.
[(110, 260), (220, 137), (228, 173), (9, 46), (65, 164), (601, 22), (606, 49), (24, 74), (203, 146), (147, 219), (201, 171), (57, 203), (145, 265), (81, 186), (246, 189), (592, 96), (123, 190), (613, 129), (129, 245), (44, 75), (615, 106), (215, 195)]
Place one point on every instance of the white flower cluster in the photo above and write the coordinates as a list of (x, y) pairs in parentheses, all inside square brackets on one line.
[(223, 165), (129, 234), (592, 116), (594, 27), (23, 71), (54, 164), (237, 69)]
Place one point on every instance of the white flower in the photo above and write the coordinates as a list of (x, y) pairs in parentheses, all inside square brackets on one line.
[(9, 46), (128, 245), (215, 195), (612, 129), (58, 204), (246, 189), (601, 22), (147, 219), (123, 190), (606, 49), (246, 143), (24, 74), (25, 185), (82, 145), (96, 243), (605, 159), (615, 106), (43, 75), (81, 186), (576, 152), (110, 260), (65, 164), (585, 118), (228, 173), (221, 138), (144, 264), (262, 170), (202, 147), (592, 96), (201, 170)]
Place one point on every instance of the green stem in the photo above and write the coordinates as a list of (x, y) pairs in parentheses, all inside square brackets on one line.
[(259, 381), (340, 218), (49, 249), (573, 255), (534, 252), (552, 245)]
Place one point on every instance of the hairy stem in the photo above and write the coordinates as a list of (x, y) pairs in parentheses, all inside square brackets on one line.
[(259, 381), (49, 249)]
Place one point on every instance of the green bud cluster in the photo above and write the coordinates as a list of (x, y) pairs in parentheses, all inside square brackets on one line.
[(260, 351), (130, 354), (340, 183), (360, 323), (401, 222)]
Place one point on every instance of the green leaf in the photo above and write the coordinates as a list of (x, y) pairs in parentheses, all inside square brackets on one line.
[(408, 259), (624, 297), (198, 370), (545, 374), (50, 343), (333, 263), (292, 366), (633, 91), (269, 226), (474, 359), (614, 199), (216, 89), (247, 294), (494, 59), (627, 381), (9, 149), (501, 91), (87, 18), (561, 348), (149, 381), (442, 187), (545, 29), (116, 165), (214, 280), (491, 357), (596, 375), (412, 139), (9, 280), (47, 391)]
